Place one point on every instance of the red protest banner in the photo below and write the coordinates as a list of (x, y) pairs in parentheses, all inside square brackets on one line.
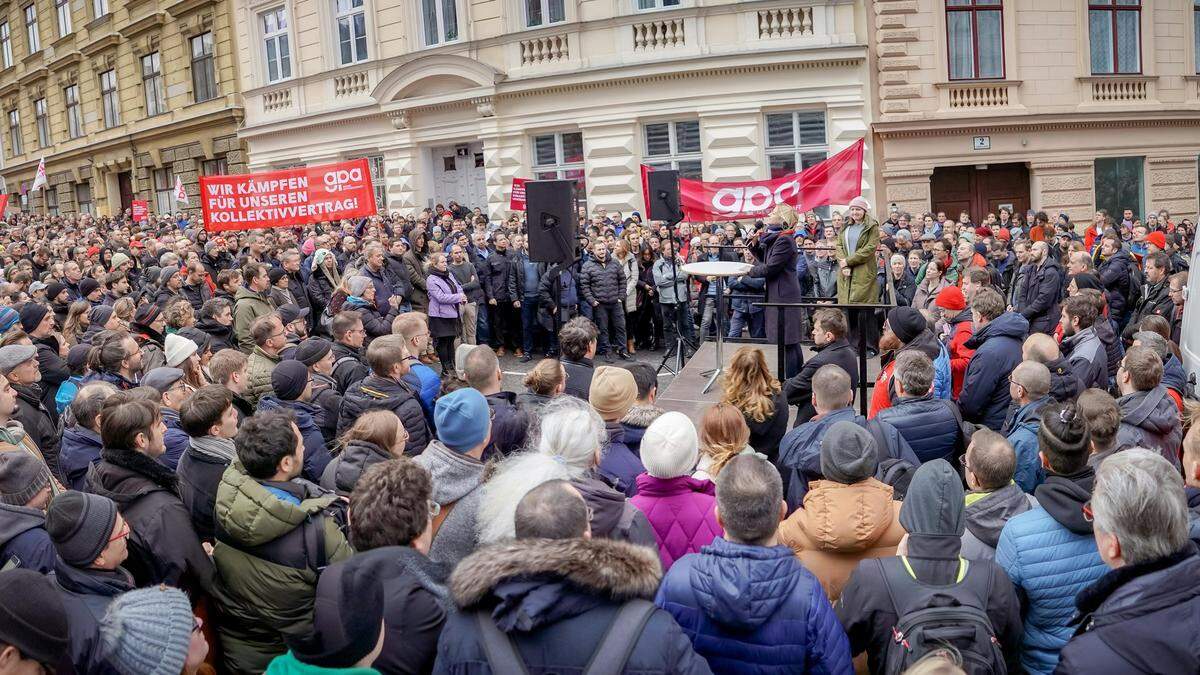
[(516, 199), (140, 209), (287, 197), (836, 180), (3, 203)]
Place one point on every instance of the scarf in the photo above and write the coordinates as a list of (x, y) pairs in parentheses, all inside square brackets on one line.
[(215, 447), (445, 276), (334, 276)]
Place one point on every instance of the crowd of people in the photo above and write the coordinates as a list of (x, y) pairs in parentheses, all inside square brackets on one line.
[(293, 451)]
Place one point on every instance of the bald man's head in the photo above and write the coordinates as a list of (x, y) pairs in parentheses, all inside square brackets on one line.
[(1041, 348), (1033, 377)]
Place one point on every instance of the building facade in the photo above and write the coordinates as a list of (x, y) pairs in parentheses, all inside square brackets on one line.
[(453, 99), (1064, 105), (119, 99)]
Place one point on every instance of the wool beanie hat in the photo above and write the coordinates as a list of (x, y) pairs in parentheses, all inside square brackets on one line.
[(8, 318), (951, 298), (860, 203), (146, 314), (77, 357), (670, 447), (201, 339), (119, 259), (1157, 238), (907, 323), (22, 476), (312, 350), (80, 525), (275, 274), (347, 615), (32, 314), (458, 416), (12, 356), (165, 274), (148, 631), (613, 392), (178, 349), (88, 286), (32, 617), (935, 501), (848, 453), (288, 379), (100, 314), (54, 289)]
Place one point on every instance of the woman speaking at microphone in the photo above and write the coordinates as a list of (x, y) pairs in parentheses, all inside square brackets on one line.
[(775, 250)]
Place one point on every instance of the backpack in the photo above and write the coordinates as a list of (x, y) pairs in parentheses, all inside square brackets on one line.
[(66, 393), (897, 473), (608, 657), (931, 618)]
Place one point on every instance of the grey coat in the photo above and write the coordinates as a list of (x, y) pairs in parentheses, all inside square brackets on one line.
[(603, 282), (1087, 357), (669, 293), (1149, 419), (456, 482), (987, 515)]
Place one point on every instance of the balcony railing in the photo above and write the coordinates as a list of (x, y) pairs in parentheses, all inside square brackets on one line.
[(785, 22), (274, 101), (546, 49), (351, 84), (661, 34)]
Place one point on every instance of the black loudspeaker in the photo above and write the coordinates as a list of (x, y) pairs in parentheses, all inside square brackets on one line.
[(664, 195), (552, 222)]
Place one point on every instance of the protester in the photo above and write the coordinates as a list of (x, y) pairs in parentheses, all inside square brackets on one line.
[(510, 424), (349, 367), (376, 437), (19, 365), (612, 394), (723, 436), (152, 631), (644, 410), (750, 387), (578, 341), (385, 389), (291, 389), (994, 497), (1043, 288), (543, 382), (317, 355), (1149, 418), (81, 438), (24, 495), (831, 347), (35, 630), (1080, 345), (997, 343), (172, 391), (907, 329), (1065, 385), (210, 420), (269, 339), (1029, 387), (931, 426), (790, 620)]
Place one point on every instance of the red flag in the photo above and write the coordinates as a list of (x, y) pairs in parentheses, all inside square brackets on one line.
[(836, 180), (287, 197), (646, 192), (3, 203)]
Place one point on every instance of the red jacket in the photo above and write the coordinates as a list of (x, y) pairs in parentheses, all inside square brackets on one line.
[(881, 397), (960, 354)]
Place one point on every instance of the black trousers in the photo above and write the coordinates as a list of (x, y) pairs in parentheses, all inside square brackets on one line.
[(505, 323), (610, 319)]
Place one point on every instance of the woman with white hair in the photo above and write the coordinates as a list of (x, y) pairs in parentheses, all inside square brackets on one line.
[(898, 285), (567, 445), (361, 299)]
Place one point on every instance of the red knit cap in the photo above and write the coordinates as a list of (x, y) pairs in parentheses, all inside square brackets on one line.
[(1004, 234), (951, 298), (1158, 239)]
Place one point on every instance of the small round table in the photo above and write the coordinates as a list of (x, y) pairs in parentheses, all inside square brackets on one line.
[(720, 270)]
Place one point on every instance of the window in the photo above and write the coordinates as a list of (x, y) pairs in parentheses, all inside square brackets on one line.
[(63, 9), (275, 41), (351, 30), (796, 141), (975, 35), (1119, 184), (1114, 29), (43, 122), (51, 200), (108, 93), (152, 82), (655, 4), (99, 8), (31, 29), (164, 190), (83, 197), (440, 18), (560, 157), (674, 145), (544, 12), (204, 77), (74, 112), (6, 44), (214, 167), (14, 131)]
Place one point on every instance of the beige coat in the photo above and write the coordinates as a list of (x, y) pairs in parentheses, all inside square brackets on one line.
[(840, 525)]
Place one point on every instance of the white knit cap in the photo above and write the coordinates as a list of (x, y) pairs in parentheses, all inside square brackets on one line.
[(670, 447), (178, 349)]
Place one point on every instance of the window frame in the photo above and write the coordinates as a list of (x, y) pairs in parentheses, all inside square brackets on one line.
[(560, 167), (217, 166), (281, 35), (49, 193), (545, 8), (73, 110), (674, 156), (659, 5), (1113, 8), (163, 195), (14, 132), (32, 32), (973, 9), (154, 81), (797, 149), (81, 205), (41, 117), (440, 22), (62, 11), (110, 100), (100, 8), (204, 68), (6, 50), (348, 16)]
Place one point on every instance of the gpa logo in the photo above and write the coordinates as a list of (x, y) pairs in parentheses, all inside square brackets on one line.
[(753, 199), (342, 179)]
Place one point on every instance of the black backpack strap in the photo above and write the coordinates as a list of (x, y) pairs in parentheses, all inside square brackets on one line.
[(314, 542), (618, 642), (498, 648)]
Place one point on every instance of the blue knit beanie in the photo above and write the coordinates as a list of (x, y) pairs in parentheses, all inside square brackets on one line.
[(462, 419), (148, 631), (8, 318)]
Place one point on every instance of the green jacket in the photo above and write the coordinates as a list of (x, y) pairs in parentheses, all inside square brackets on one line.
[(862, 286), (248, 306), (265, 561), (288, 665), (258, 375)]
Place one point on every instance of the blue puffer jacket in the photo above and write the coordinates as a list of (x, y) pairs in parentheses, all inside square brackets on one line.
[(754, 609), (984, 398), (79, 451), (1050, 555), (1022, 431), (316, 455), (175, 439), (927, 423)]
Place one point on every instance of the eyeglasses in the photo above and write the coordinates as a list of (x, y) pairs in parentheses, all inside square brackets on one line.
[(962, 460), (1087, 511), (120, 535), (591, 514), (195, 625)]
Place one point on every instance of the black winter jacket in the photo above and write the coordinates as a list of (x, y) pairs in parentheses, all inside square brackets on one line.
[(41, 426), (1042, 295), (603, 283), (348, 366), (579, 377), (1116, 273), (220, 337), (325, 396), (1065, 385), (379, 393), (86, 594), (54, 371), (344, 470), (928, 424), (984, 398), (798, 389), (494, 273), (1155, 301), (510, 425), (199, 475), (196, 295)]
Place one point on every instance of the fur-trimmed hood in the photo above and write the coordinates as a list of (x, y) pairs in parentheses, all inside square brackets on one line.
[(613, 570), (640, 416)]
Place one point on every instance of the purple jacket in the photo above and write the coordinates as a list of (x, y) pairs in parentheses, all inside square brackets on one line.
[(681, 513), (444, 298)]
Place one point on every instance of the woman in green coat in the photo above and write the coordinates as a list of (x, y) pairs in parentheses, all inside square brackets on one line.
[(856, 244)]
